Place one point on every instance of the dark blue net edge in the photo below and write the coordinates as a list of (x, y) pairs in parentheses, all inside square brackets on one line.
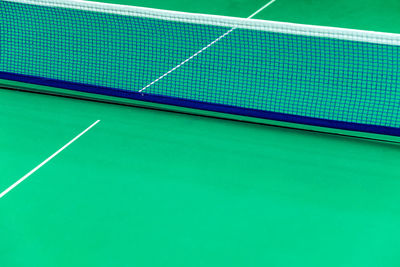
[(350, 126)]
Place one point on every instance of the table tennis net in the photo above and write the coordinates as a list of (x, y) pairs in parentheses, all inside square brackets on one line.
[(321, 76)]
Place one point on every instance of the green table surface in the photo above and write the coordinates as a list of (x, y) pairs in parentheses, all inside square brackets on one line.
[(155, 188)]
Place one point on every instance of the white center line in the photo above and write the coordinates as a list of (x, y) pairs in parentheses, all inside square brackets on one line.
[(47, 160), (203, 49)]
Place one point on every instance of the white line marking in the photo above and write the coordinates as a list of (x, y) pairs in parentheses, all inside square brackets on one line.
[(47, 160), (261, 9), (203, 49)]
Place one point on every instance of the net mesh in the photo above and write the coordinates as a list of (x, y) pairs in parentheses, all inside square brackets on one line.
[(322, 73)]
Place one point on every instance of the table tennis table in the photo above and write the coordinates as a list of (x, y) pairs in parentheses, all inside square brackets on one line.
[(145, 187)]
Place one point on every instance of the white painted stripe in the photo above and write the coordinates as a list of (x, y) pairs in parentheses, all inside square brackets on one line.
[(186, 60), (47, 160), (261, 9), (223, 21), (203, 49)]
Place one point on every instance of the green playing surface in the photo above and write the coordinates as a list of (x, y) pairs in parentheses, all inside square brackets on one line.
[(153, 188)]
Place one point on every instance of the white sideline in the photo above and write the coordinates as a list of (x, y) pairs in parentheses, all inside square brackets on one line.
[(203, 49), (47, 160)]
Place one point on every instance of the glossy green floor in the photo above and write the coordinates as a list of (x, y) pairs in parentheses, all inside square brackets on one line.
[(153, 188)]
